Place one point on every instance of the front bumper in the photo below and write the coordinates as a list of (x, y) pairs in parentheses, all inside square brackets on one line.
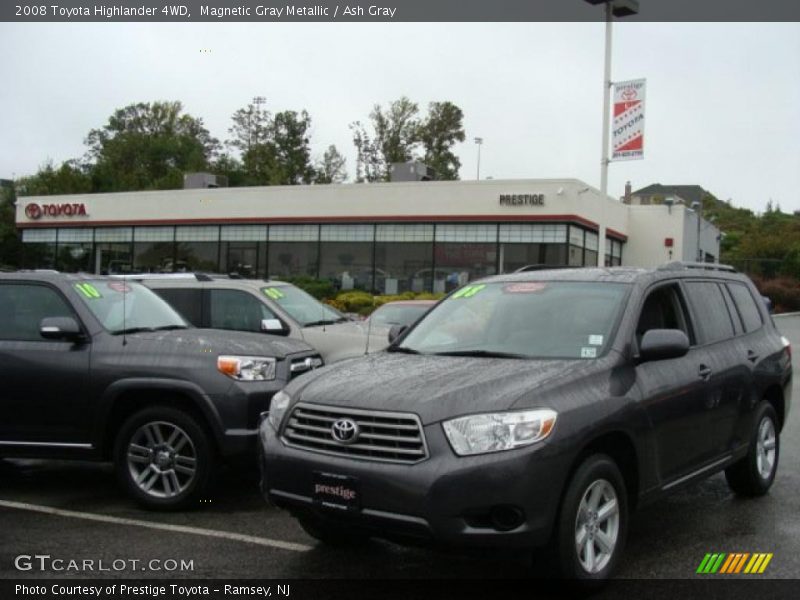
[(445, 499)]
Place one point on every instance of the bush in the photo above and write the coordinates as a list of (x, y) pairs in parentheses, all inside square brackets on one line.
[(354, 300), (783, 291), (319, 288)]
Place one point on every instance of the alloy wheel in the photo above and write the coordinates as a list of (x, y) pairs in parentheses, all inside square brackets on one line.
[(162, 459), (597, 526)]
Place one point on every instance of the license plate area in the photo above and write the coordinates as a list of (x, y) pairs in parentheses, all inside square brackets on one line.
[(332, 490)]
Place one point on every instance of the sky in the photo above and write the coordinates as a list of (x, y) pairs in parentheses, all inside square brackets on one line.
[(723, 99)]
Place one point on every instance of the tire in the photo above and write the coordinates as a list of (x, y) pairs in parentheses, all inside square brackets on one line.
[(331, 533), (593, 523), (753, 475), (164, 458)]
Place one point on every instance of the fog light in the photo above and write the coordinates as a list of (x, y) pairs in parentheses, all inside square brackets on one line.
[(506, 517)]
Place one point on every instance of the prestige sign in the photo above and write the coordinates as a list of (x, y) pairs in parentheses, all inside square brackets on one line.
[(36, 211), (521, 199)]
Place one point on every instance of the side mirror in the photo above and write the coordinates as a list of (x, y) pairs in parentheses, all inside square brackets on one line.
[(396, 331), (661, 344), (768, 303), (60, 328), (274, 327)]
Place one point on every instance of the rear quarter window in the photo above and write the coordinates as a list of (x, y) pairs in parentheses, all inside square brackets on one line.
[(710, 310), (186, 301), (746, 304)]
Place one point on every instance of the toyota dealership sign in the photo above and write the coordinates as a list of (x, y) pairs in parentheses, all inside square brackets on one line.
[(35, 211), (627, 131)]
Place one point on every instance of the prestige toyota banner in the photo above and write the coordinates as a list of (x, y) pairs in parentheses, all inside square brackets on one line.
[(627, 129)]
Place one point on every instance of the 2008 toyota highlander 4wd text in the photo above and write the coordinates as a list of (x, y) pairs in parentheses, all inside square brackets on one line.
[(93, 368), (537, 410)]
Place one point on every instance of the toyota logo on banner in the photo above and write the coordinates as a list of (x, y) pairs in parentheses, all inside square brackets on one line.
[(345, 431), (33, 211)]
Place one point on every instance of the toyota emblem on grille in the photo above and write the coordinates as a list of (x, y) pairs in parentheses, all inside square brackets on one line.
[(344, 431)]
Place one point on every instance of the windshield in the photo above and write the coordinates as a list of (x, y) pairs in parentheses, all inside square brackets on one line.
[(128, 306), (521, 320), (301, 306)]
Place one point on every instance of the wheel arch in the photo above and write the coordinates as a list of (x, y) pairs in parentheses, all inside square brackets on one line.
[(126, 397)]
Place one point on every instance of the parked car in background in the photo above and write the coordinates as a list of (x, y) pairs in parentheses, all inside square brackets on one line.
[(538, 409), (103, 369), (272, 307), (400, 312)]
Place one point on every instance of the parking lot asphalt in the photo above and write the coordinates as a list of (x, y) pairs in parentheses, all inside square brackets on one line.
[(75, 511)]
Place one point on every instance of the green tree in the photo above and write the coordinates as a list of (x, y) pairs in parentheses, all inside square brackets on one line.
[(438, 133), (292, 145), (399, 134), (394, 138), (70, 178), (148, 146), (10, 242), (331, 169)]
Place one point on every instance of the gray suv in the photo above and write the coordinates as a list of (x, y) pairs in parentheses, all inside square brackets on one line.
[(266, 306), (537, 410), (97, 368)]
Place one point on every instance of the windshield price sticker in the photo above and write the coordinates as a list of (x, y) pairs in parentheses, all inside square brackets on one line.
[(119, 286), (469, 291), (274, 293), (595, 340), (88, 290), (524, 288), (271, 324), (587, 352)]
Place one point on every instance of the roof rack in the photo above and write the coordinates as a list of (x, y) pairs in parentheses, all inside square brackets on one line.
[(678, 265), (195, 276), (538, 267)]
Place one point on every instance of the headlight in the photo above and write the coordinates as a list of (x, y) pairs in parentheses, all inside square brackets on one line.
[(493, 432), (247, 368), (277, 408)]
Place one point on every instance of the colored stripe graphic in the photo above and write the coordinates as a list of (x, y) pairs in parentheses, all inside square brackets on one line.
[(734, 562)]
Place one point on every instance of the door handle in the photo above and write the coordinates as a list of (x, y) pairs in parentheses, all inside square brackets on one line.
[(752, 356), (704, 372)]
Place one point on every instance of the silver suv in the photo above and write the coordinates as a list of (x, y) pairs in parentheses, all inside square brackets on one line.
[(272, 307)]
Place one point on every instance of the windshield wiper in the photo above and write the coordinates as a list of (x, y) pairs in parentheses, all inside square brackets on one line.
[(131, 330), (147, 329), (326, 322), (481, 354), (402, 349)]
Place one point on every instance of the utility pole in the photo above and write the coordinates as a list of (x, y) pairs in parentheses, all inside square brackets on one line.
[(479, 142)]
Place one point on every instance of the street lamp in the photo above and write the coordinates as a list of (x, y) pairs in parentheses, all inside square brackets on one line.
[(479, 142), (614, 8), (697, 205)]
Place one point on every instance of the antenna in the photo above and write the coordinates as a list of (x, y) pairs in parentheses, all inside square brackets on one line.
[(369, 331), (124, 315)]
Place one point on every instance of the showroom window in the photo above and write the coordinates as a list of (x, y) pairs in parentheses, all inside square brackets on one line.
[(403, 258), (154, 249), (576, 246), (113, 250), (39, 251), (346, 255), (75, 250), (523, 244), (463, 253), (197, 248), (293, 251), (590, 252), (244, 250)]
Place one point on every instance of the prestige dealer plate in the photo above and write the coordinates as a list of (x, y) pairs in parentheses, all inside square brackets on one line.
[(336, 491)]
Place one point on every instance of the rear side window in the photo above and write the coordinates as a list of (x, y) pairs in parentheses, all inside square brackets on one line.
[(187, 302), (710, 310), (746, 304), (22, 308), (240, 311)]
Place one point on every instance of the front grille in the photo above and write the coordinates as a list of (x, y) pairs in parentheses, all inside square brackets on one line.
[(383, 436)]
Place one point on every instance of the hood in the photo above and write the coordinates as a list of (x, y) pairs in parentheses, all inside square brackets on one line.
[(433, 387), (220, 342)]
